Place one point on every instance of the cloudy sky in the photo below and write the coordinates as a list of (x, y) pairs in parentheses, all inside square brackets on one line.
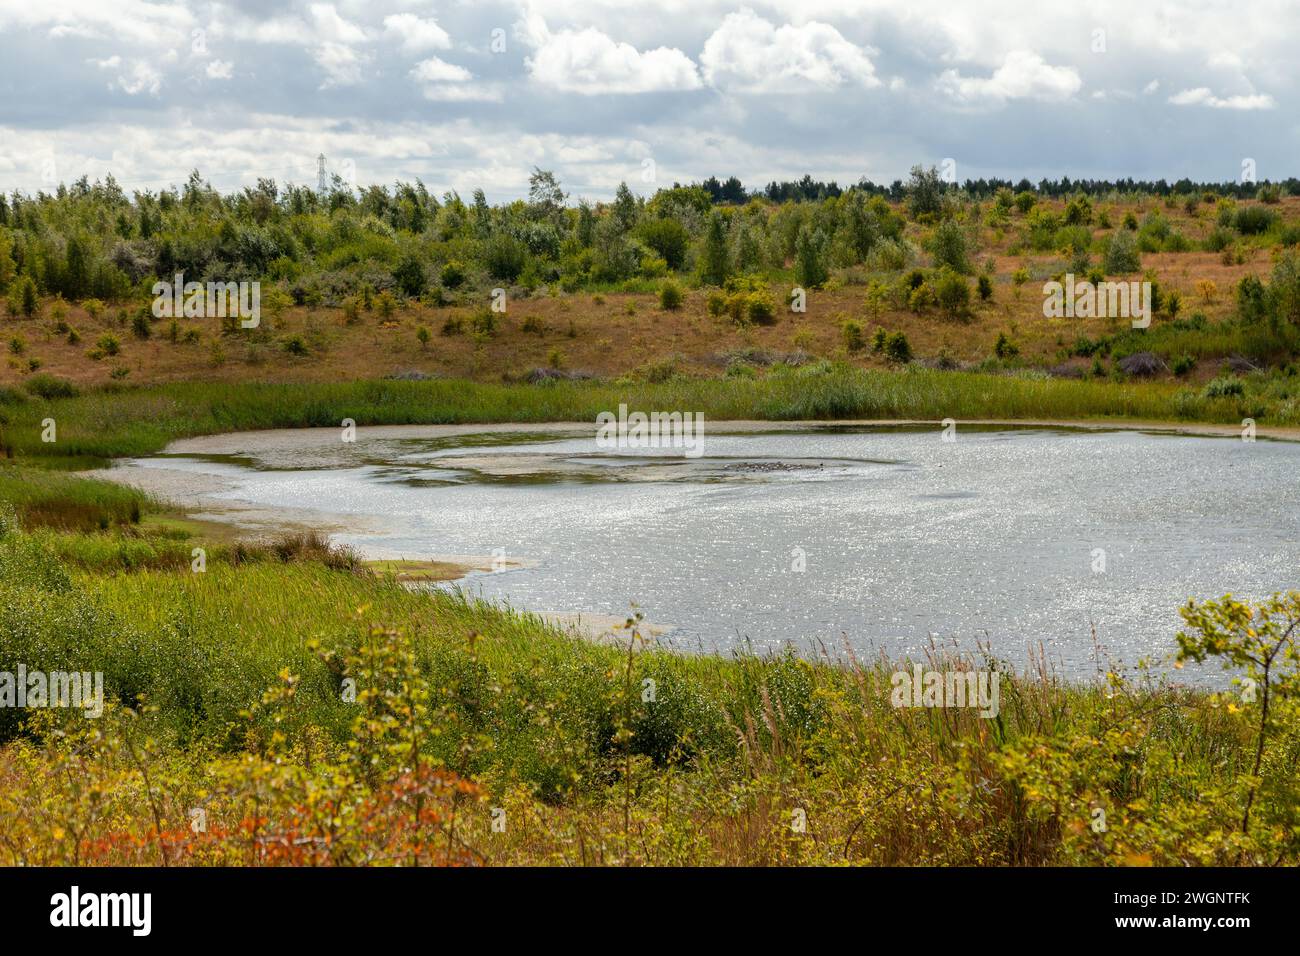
[(469, 94)]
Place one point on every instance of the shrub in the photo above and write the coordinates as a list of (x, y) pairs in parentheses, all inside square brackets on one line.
[(1252, 220), (948, 246), (1252, 299), (1183, 365), (878, 340), (454, 325), (897, 348), (984, 285), (422, 336), (1227, 387), (852, 334), (294, 345), (1004, 348), (410, 277), (452, 274), (1141, 364), (50, 386), (952, 293), (140, 325), (668, 238), (23, 297), (670, 296), (1122, 254), (505, 257)]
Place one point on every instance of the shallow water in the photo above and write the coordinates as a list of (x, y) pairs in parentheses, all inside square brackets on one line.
[(996, 537)]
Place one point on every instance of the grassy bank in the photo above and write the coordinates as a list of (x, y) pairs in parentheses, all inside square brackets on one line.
[(138, 421), (477, 734)]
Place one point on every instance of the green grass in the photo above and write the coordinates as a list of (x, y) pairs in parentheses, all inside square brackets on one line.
[(706, 772), (139, 421), (45, 499)]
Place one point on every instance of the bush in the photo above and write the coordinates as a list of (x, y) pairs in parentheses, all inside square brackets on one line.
[(852, 334), (984, 285), (897, 348), (1122, 254), (1141, 364), (1252, 220), (949, 248), (410, 277), (505, 257), (1252, 299), (952, 293), (50, 386), (140, 325), (670, 296), (1183, 365), (294, 345), (1224, 388), (452, 274), (108, 344), (668, 238), (1004, 348)]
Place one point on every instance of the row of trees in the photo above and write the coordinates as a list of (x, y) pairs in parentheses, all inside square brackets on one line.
[(93, 241)]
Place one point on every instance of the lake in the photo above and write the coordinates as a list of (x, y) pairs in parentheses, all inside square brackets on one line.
[(881, 538)]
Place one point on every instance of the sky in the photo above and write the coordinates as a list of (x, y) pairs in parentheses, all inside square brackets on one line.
[(466, 95)]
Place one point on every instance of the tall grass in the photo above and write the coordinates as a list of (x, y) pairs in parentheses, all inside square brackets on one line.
[(141, 421), (713, 767)]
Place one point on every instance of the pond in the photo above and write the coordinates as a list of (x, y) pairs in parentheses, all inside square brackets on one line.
[(884, 539)]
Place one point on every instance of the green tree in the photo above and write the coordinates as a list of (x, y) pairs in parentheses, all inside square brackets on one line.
[(714, 261), (949, 248), (925, 191), (810, 260)]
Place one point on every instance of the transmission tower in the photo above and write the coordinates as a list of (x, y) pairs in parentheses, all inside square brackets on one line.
[(321, 185)]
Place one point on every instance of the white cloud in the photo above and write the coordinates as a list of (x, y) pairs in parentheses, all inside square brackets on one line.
[(140, 78), (1022, 75), (341, 63), (416, 33), (1151, 87), (332, 28), (220, 70), (591, 63), (749, 54), (1204, 96), (435, 70), (445, 82)]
